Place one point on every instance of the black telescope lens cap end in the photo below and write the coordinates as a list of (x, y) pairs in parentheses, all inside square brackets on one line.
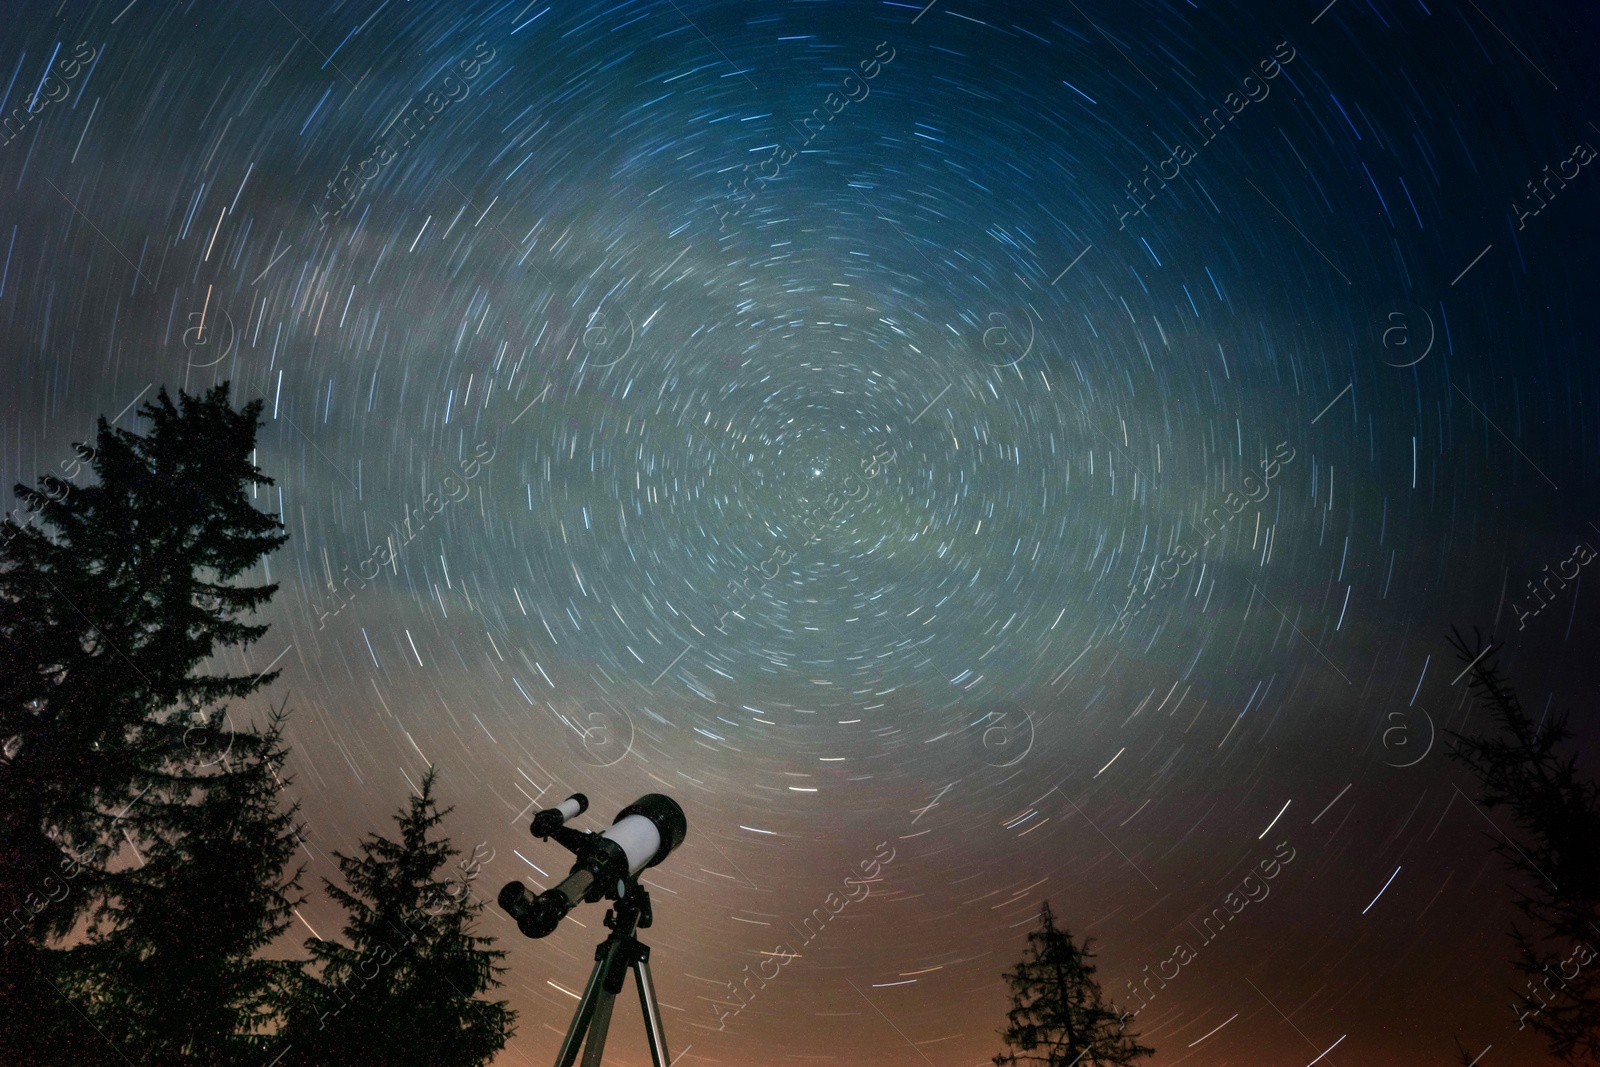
[(668, 818), (545, 914), (512, 896)]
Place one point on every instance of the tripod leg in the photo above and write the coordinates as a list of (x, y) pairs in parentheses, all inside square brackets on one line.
[(598, 1028), (592, 995), (652, 1013)]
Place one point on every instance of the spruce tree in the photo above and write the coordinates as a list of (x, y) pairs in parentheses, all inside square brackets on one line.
[(403, 989), (108, 606), (170, 972), (1057, 1018), (1527, 769)]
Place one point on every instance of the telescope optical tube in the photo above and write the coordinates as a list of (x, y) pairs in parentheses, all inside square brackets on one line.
[(644, 834)]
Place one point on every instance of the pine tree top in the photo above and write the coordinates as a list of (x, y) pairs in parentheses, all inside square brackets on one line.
[(1058, 1016), (409, 968)]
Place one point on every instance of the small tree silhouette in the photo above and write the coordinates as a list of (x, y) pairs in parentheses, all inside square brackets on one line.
[(1525, 769), (404, 991), (1057, 1018)]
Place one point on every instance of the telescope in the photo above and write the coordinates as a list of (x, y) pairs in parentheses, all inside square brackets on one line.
[(608, 865), (643, 835)]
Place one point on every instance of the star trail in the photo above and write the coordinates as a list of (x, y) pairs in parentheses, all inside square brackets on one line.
[(1044, 445)]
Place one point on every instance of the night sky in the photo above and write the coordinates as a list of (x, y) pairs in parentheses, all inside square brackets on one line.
[(1043, 444)]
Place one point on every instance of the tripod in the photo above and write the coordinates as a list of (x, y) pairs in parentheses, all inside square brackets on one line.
[(612, 958)]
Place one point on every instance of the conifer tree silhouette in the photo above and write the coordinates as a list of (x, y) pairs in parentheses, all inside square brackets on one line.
[(170, 973), (403, 989), (107, 608), (1057, 1017), (1525, 769)]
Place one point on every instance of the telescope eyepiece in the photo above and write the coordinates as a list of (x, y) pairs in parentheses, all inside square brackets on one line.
[(513, 897), (536, 916)]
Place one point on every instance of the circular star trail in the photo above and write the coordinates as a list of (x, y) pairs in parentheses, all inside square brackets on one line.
[(1045, 444)]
